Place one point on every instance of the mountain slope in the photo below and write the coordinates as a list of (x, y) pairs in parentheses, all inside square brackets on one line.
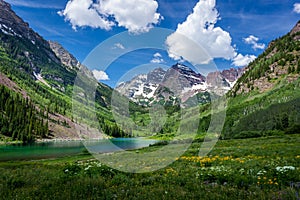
[(279, 62), (41, 74), (64, 56), (266, 99)]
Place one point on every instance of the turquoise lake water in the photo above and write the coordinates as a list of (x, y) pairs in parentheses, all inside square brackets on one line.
[(65, 148)]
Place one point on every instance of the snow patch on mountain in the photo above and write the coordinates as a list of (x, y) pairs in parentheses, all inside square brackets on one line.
[(178, 82), (8, 30)]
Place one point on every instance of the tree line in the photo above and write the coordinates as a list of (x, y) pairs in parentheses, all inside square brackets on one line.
[(19, 118)]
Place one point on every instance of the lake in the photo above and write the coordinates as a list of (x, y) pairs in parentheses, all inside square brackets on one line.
[(54, 149)]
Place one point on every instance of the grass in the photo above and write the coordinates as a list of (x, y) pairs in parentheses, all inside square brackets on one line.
[(259, 168)]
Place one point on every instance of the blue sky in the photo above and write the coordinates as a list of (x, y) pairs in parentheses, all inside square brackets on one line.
[(233, 32)]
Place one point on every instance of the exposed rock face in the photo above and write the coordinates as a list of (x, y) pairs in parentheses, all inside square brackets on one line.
[(13, 25), (65, 57), (178, 82), (35, 51), (279, 63), (30, 56), (296, 29), (156, 76), (9, 19), (224, 79), (232, 74), (215, 79)]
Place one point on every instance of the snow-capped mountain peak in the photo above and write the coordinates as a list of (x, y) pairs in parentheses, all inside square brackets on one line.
[(178, 83)]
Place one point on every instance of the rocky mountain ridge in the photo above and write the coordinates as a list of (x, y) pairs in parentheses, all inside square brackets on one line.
[(13, 25), (65, 57), (280, 62), (177, 83)]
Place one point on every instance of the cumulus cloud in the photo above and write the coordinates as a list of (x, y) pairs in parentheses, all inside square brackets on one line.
[(199, 41), (100, 75), (241, 61), (118, 46), (157, 58), (200, 27), (254, 42), (82, 13), (297, 8), (137, 16)]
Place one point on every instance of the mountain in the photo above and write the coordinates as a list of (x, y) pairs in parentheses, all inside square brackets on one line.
[(176, 83), (36, 84), (279, 62), (37, 81), (33, 52), (13, 25), (266, 98), (64, 56), (228, 77)]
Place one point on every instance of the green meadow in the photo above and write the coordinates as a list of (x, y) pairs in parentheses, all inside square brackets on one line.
[(256, 168)]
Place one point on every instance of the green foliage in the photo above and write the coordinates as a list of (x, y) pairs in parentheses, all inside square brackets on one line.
[(272, 112), (283, 52), (280, 117), (19, 118), (46, 98), (112, 129), (20, 59), (264, 168), (36, 57)]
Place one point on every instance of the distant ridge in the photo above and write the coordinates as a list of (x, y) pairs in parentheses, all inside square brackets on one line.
[(178, 82)]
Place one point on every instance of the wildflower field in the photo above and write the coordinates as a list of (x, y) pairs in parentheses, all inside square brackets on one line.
[(257, 168)]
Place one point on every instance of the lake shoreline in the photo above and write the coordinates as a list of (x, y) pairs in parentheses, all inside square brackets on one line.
[(45, 140), (47, 148)]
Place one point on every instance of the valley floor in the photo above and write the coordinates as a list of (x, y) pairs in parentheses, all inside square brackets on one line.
[(258, 168)]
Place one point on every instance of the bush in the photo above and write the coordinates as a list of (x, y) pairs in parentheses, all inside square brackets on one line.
[(293, 129), (248, 134)]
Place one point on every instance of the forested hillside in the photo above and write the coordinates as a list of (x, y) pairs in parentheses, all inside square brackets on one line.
[(19, 118), (266, 99), (37, 80)]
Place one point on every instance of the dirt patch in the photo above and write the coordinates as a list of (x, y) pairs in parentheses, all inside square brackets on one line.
[(67, 129), (4, 80)]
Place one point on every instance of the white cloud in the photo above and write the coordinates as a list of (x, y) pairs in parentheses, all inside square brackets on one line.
[(157, 55), (241, 61), (118, 46), (254, 42), (200, 27), (297, 8), (157, 58), (251, 39), (82, 13), (33, 4), (137, 16), (100, 75)]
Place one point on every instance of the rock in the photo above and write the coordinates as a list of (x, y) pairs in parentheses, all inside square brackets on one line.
[(65, 57)]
